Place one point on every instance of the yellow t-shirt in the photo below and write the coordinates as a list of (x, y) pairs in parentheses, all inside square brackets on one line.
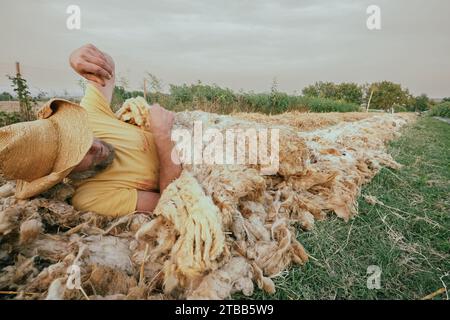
[(113, 192)]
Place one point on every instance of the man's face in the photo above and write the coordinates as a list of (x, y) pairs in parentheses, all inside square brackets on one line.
[(97, 159)]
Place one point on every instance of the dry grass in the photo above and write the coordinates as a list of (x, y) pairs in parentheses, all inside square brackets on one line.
[(9, 106)]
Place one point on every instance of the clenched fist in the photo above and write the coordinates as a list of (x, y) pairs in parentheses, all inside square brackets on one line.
[(92, 64)]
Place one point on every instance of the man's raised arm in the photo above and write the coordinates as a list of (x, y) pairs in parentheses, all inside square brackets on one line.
[(95, 66), (161, 122)]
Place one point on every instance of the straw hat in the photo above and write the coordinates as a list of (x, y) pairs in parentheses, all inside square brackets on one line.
[(41, 153)]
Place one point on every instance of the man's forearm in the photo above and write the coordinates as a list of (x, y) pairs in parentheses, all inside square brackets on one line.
[(169, 171), (107, 90)]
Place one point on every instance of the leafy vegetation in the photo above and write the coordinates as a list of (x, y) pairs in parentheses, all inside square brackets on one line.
[(213, 98), (348, 92), (421, 103), (6, 96), (441, 110), (27, 102), (387, 95), (120, 94), (318, 97), (7, 118)]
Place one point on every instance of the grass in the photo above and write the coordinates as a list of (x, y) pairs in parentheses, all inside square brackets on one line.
[(408, 237)]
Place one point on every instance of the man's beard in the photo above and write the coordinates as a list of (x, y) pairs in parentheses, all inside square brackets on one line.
[(95, 168)]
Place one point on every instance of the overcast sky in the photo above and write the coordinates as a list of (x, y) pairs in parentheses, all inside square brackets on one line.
[(235, 43)]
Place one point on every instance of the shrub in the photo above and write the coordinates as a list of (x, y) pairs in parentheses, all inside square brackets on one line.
[(27, 102), (213, 98), (201, 93), (421, 103), (7, 118), (441, 110), (255, 102), (387, 94), (6, 96), (401, 109), (349, 92)]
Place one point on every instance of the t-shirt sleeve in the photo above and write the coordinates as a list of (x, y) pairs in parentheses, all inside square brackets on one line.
[(94, 102), (114, 203)]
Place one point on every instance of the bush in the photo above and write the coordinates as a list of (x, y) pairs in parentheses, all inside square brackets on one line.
[(120, 94), (212, 98), (401, 109), (387, 94), (441, 110), (255, 102), (7, 118), (202, 93), (6, 96), (348, 92), (421, 103)]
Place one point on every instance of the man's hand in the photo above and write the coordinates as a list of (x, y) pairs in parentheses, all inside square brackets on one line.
[(161, 121), (92, 64)]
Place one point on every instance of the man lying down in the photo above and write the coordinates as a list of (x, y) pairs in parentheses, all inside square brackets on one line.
[(116, 168)]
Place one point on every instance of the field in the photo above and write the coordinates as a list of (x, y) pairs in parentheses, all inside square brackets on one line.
[(302, 233), (9, 106), (406, 234)]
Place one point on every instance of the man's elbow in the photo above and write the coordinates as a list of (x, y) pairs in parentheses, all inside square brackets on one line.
[(147, 201)]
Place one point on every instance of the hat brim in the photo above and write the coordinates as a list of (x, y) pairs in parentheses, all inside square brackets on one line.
[(75, 139)]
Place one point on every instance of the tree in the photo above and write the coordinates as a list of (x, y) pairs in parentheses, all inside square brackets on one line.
[(6, 96), (156, 86), (421, 103), (156, 83), (350, 92), (387, 95), (346, 91), (23, 94), (279, 101), (320, 90), (120, 94), (446, 99)]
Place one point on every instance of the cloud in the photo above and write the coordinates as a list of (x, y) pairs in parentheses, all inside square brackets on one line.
[(239, 44)]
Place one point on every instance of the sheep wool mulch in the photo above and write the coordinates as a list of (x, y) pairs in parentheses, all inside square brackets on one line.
[(217, 230)]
